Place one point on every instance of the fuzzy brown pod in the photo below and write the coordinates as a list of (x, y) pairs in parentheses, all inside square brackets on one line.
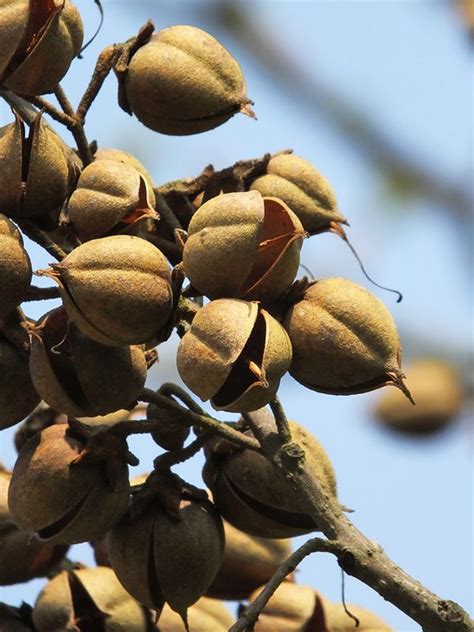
[(23, 556), (173, 430), (110, 197), (250, 494), (81, 377), (168, 547), (344, 340), (304, 189), (234, 354), (241, 245), (439, 397), (37, 173), (15, 619), (118, 155), (183, 81), (63, 492), (116, 290), (39, 39), (39, 419), (15, 267), (86, 600), (206, 615)]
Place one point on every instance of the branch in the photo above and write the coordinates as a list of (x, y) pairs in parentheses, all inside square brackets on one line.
[(168, 459), (39, 237), (41, 293)]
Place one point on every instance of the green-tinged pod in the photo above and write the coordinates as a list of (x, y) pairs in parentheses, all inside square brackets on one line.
[(78, 376), (39, 39), (15, 267), (241, 245), (344, 340), (206, 615), (87, 599), (65, 493), (235, 355), (183, 81), (253, 498), (116, 290)]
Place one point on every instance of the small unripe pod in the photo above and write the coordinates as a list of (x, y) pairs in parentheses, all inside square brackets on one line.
[(15, 267), (206, 615)]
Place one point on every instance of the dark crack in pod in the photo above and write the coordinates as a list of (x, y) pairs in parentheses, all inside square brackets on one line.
[(15, 619), (87, 600), (15, 267), (38, 41), (118, 155), (344, 340), (206, 615), (234, 354), (81, 377), (183, 81), (168, 547), (116, 290), (253, 498), (23, 556), (63, 496), (241, 245)]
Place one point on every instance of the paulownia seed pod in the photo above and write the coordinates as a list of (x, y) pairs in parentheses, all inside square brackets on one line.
[(38, 41), (304, 189), (234, 354), (81, 377), (116, 290), (14, 619), (62, 495), (183, 81), (437, 392), (169, 546), (39, 419), (87, 599), (206, 615), (118, 155), (15, 267), (253, 498), (173, 430), (344, 340), (244, 246)]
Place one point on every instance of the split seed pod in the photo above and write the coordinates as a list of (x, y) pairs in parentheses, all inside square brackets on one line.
[(234, 354), (206, 615), (118, 155), (253, 498), (244, 246), (116, 290), (81, 377), (183, 81), (109, 198), (344, 340), (15, 267), (38, 41), (304, 189), (169, 546), (62, 494), (87, 599)]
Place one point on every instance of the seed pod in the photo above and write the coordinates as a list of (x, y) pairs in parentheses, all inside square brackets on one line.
[(61, 494), (183, 81), (244, 246), (90, 598), (344, 340), (15, 267), (39, 40), (39, 419), (36, 174), (206, 615), (234, 354), (438, 395), (15, 619), (116, 290), (168, 516), (118, 155), (253, 498), (80, 377), (173, 430), (304, 189)]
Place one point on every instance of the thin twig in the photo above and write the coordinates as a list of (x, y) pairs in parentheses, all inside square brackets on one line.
[(77, 128), (102, 68), (281, 420), (166, 213), (54, 113), (41, 293), (173, 390), (168, 459), (39, 237)]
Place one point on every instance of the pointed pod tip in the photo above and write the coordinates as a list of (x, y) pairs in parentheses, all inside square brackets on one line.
[(246, 109)]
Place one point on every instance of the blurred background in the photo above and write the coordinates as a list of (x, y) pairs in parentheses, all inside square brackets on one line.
[(379, 97)]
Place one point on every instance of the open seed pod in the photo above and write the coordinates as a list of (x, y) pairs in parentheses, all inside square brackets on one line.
[(169, 546), (116, 290), (81, 377), (15, 619), (438, 394), (36, 174), (15, 267), (206, 615), (23, 556), (183, 81), (253, 497), (118, 155), (109, 198), (244, 246), (87, 599), (39, 40), (234, 354), (344, 340), (67, 491), (304, 189)]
